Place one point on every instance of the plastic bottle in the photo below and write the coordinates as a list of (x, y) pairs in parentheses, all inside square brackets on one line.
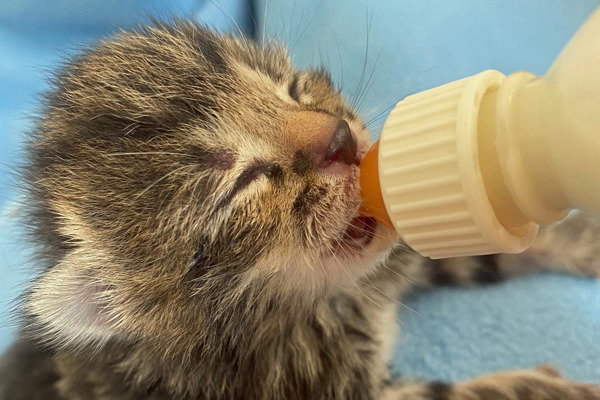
[(475, 166)]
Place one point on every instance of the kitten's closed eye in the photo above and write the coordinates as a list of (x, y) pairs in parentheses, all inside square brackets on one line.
[(254, 171), (249, 175)]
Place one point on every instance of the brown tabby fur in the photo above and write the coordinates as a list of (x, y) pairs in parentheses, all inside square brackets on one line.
[(190, 246)]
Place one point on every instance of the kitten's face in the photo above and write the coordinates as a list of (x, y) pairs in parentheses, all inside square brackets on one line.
[(175, 168)]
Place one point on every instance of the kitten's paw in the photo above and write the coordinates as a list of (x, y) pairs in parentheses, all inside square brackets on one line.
[(589, 391), (544, 382), (572, 246)]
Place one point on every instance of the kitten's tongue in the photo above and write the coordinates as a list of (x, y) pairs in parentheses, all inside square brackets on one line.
[(361, 231)]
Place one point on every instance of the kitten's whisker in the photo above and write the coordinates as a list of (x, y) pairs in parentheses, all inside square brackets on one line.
[(159, 180), (368, 85), (364, 69), (381, 114), (369, 118), (376, 303), (307, 26), (298, 25), (262, 40), (418, 84), (291, 20), (371, 284), (308, 263), (363, 248), (281, 34), (340, 58), (395, 272), (230, 18), (324, 269), (361, 291)]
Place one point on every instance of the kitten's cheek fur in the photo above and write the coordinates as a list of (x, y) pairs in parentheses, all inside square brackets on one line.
[(377, 251), (383, 240)]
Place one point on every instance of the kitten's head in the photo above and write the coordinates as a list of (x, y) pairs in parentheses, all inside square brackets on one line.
[(176, 172)]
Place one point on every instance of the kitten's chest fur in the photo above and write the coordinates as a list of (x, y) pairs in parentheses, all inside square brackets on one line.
[(333, 350)]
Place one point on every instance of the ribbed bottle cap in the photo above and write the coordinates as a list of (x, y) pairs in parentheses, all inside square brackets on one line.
[(430, 175)]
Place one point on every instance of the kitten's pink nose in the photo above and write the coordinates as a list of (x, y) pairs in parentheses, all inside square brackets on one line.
[(342, 145), (324, 139)]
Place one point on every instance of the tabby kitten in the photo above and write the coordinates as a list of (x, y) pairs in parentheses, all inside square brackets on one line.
[(194, 199)]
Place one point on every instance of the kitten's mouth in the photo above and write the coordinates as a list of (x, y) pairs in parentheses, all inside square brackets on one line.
[(360, 232)]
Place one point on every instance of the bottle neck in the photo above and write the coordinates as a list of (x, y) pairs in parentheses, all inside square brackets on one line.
[(548, 146), (523, 127), (503, 200)]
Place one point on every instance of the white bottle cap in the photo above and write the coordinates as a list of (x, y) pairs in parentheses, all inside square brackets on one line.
[(431, 157)]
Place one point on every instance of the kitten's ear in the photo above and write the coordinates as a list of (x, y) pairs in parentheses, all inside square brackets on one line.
[(69, 303)]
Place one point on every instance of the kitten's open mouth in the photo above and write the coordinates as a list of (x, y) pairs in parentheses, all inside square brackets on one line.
[(360, 232)]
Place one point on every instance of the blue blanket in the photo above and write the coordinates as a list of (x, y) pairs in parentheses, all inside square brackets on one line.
[(412, 45)]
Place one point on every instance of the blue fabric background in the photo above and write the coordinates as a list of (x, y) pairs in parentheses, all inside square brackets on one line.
[(413, 45)]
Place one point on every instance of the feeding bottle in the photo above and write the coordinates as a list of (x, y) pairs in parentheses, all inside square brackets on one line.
[(475, 166)]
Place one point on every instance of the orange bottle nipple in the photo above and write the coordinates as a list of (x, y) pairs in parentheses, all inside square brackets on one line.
[(370, 191)]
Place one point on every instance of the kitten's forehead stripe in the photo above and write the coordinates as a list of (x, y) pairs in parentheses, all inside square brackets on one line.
[(272, 61), (293, 89), (346, 112), (220, 159), (207, 44), (212, 52)]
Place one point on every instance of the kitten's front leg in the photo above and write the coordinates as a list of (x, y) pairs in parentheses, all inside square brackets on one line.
[(571, 247), (542, 383)]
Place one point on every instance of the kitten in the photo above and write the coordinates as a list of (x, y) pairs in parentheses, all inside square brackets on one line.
[(194, 200)]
